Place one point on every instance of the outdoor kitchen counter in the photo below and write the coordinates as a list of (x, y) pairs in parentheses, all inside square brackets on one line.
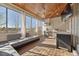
[(64, 38)]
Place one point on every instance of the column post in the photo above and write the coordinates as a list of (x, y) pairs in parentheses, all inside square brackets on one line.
[(37, 26), (31, 26), (23, 29)]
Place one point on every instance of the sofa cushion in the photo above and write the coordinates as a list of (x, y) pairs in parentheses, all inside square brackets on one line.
[(14, 36)]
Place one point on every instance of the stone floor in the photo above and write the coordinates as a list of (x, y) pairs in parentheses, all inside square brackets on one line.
[(46, 47)]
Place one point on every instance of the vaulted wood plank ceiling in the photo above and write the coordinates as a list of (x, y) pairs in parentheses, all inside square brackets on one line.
[(43, 10)]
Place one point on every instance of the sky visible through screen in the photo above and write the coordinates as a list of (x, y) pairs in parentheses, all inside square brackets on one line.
[(15, 17)]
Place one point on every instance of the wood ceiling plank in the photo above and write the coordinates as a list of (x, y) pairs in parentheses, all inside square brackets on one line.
[(26, 8), (48, 9), (57, 11)]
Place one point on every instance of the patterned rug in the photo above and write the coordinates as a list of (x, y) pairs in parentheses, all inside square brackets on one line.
[(45, 51)]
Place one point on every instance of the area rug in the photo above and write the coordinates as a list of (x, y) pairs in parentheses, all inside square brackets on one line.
[(45, 51)]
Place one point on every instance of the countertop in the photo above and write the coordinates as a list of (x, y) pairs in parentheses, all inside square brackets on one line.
[(64, 33)]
